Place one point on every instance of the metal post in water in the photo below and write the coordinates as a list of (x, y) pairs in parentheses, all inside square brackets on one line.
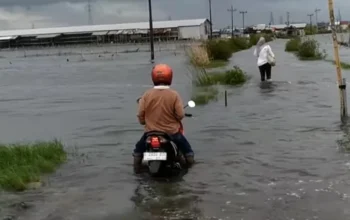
[(345, 99), (151, 30), (225, 98), (341, 82)]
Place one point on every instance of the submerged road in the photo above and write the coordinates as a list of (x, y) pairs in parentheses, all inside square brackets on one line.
[(273, 153)]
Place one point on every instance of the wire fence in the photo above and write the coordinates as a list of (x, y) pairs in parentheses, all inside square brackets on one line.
[(98, 50)]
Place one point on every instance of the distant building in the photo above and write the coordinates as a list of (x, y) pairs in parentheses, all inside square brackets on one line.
[(289, 30), (195, 29), (344, 25)]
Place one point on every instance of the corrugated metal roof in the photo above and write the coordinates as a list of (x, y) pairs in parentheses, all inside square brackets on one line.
[(8, 37), (281, 26), (105, 27), (99, 33), (278, 26), (47, 36), (303, 25)]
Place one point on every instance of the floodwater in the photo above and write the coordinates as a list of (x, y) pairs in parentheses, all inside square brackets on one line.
[(273, 153)]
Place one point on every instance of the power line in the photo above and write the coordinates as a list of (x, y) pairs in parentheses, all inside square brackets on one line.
[(231, 10)]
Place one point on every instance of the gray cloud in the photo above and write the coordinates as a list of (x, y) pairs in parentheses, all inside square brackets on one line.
[(44, 13)]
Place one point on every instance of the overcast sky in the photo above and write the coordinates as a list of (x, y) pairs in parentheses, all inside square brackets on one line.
[(16, 14)]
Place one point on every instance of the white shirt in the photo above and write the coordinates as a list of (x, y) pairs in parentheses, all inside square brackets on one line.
[(262, 58)]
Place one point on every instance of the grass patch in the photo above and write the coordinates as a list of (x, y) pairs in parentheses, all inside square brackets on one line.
[(21, 164), (293, 45), (235, 76), (345, 66), (203, 95), (216, 64), (198, 56), (205, 83)]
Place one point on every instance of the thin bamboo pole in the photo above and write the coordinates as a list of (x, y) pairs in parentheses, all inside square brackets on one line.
[(342, 86)]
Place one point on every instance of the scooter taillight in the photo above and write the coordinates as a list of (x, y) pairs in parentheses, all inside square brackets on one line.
[(155, 143)]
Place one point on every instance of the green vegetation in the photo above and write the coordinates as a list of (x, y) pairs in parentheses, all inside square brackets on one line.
[(345, 66), (232, 77), (205, 83), (216, 53), (293, 45), (310, 50), (254, 38), (215, 64), (310, 30), (218, 49), (203, 95), (22, 164), (305, 50)]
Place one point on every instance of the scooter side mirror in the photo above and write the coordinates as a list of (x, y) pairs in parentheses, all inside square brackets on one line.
[(191, 104)]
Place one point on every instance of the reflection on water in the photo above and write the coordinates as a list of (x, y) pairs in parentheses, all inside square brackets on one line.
[(270, 154)]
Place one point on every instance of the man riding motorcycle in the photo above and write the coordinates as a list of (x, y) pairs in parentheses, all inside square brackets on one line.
[(161, 109)]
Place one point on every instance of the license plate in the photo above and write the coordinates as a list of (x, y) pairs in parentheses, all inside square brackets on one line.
[(154, 156)]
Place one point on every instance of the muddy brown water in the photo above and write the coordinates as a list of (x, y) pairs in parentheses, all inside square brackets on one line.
[(273, 153)]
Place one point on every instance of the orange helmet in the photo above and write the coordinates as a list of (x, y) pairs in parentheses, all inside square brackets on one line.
[(162, 74)]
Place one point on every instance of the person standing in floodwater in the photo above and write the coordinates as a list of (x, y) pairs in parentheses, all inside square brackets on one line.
[(262, 51)]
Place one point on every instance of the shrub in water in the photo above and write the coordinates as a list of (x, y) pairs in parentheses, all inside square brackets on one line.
[(204, 95), (235, 76), (310, 50), (203, 78), (218, 49), (254, 38), (21, 164), (239, 43), (293, 45)]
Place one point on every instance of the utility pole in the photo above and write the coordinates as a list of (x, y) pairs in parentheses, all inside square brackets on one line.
[(341, 82), (310, 15), (151, 30), (211, 21), (231, 10), (288, 18), (243, 13), (316, 13), (89, 12), (272, 20), (281, 20)]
